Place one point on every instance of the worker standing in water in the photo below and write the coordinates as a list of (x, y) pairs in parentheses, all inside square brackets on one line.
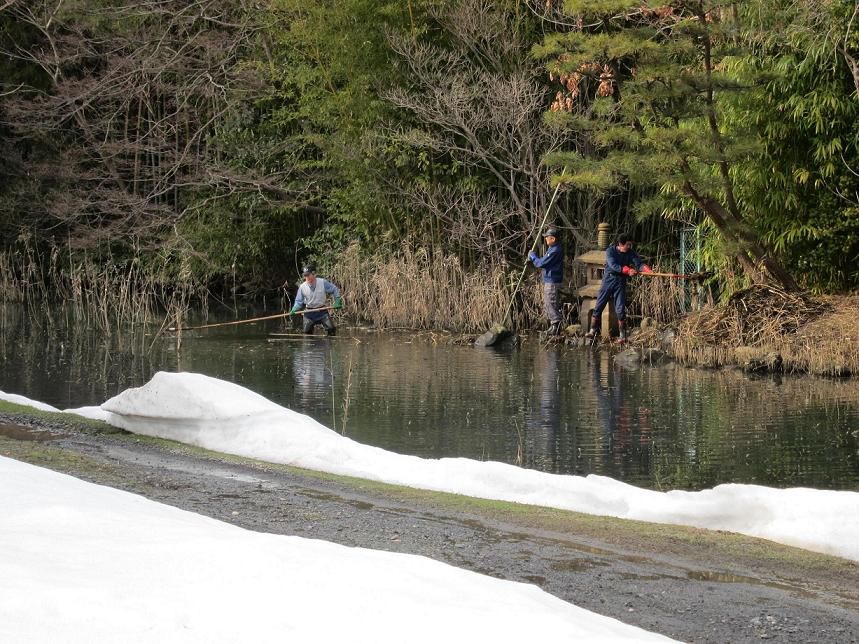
[(313, 294), (621, 263), (552, 264)]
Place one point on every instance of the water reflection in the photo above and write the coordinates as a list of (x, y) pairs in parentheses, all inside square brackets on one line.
[(624, 421), (311, 372), (548, 408), (544, 423)]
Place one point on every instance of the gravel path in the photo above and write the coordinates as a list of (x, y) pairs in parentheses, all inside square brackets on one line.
[(693, 585)]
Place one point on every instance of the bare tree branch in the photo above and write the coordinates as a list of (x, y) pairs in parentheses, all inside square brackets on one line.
[(481, 101), (131, 112)]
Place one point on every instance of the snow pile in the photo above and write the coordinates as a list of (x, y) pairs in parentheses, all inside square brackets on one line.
[(26, 402), (225, 417), (85, 563)]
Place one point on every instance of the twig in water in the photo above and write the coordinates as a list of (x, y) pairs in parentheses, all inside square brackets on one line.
[(347, 398)]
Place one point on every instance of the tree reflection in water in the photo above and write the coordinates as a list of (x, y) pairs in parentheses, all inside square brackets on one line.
[(556, 409)]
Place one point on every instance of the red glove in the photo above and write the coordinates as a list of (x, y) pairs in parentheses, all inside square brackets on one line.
[(629, 271), (645, 268)]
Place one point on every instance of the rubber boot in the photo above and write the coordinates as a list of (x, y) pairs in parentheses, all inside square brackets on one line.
[(595, 324), (621, 331)]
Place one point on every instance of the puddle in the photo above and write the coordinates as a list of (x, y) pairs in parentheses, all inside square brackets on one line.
[(635, 576), (727, 578), (21, 433), (356, 503), (242, 478), (576, 565), (202, 468)]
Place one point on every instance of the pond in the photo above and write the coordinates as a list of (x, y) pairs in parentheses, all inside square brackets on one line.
[(557, 409)]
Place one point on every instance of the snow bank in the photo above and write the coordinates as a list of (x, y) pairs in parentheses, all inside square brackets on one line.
[(225, 417), (90, 564), (26, 402)]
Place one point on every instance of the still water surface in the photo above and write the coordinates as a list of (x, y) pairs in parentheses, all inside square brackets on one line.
[(563, 410)]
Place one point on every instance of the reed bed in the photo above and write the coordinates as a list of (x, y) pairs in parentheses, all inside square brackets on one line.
[(421, 289), (659, 298), (98, 294), (756, 316), (827, 344), (768, 326), (10, 285), (21, 276)]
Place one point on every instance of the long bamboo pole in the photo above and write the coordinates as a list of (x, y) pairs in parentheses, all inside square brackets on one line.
[(265, 317), (288, 337), (679, 276), (506, 320)]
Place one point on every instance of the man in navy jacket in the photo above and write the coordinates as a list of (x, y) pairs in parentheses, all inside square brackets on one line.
[(552, 264), (621, 263)]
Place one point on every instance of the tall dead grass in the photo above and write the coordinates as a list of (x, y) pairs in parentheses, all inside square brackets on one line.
[(10, 284), (422, 289), (659, 298), (98, 294)]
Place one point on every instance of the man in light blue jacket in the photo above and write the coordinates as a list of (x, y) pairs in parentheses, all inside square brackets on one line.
[(313, 294), (552, 264)]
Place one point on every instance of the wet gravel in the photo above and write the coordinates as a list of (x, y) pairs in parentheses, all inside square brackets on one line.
[(692, 585)]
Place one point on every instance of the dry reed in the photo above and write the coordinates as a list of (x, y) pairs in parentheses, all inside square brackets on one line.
[(659, 298), (420, 289), (98, 294), (767, 326), (756, 316)]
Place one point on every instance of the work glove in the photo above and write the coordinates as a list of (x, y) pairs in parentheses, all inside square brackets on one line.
[(532, 256), (294, 310), (338, 303), (629, 271), (645, 268)]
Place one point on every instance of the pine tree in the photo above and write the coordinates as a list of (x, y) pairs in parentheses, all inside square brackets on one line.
[(642, 82)]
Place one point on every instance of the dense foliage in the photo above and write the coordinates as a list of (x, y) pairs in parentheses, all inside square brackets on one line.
[(802, 190), (226, 142)]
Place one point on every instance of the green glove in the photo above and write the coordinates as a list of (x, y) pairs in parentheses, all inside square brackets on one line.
[(294, 310), (338, 303)]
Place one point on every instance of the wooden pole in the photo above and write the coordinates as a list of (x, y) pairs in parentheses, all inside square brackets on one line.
[(655, 274), (507, 315), (265, 317), (679, 276), (290, 337)]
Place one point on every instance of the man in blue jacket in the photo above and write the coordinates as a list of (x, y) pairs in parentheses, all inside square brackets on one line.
[(313, 294), (552, 264), (621, 263)]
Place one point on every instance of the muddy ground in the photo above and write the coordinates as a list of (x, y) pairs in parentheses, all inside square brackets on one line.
[(692, 585)]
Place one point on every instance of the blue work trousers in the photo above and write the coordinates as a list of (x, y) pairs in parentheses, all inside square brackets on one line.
[(616, 290)]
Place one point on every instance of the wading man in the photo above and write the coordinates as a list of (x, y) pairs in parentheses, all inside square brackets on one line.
[(313, 294), (552, 264), (621, 263)]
